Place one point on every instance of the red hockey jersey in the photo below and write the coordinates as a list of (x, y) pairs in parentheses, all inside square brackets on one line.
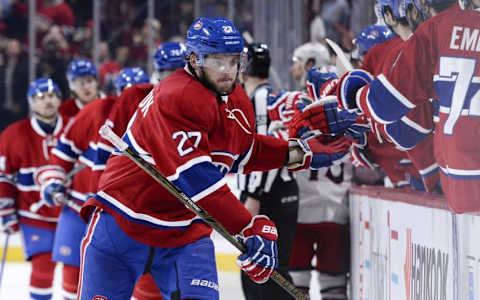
[(375, 57), (77, 145), (121, 113), (194, 139), (441, 62), (70, 107), (24, 148)]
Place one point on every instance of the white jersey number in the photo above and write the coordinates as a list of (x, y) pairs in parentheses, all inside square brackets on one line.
[(460, 71), (184, 136)]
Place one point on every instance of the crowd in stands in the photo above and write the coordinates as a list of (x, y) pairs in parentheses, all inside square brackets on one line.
[(64, 31)]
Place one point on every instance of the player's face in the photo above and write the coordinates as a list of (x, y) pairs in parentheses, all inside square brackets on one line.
[(86, 88), (297, 69), (220, 71), (45, 106)]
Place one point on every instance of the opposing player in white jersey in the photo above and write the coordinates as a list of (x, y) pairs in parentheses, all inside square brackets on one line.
[(24, 150)]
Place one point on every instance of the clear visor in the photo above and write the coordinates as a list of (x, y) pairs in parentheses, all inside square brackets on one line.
[(224, 63)]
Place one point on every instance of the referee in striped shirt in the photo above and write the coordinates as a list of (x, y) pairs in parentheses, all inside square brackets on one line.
[(273, 193)]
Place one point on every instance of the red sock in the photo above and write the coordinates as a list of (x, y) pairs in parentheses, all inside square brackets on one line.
[(70, 279), (43, 269), (146, 289)]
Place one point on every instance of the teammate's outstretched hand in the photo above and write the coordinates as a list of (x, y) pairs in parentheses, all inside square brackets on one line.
[(318, 151), (322, 116), (8, 216), (261, 258), (348, 87), (321, 83)]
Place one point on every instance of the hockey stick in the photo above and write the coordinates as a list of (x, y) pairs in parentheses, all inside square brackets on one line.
[(4, 257), (37, 205), (343, 63), (108, 134)]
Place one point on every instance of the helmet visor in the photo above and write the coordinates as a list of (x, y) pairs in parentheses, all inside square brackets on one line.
[(224, 63)]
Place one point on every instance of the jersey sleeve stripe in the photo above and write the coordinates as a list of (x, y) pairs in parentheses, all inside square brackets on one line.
[(130, 140), (143, 218), (382, 92), (403, 135), (428, 171), (241, 162), (71, 145), (63, 156), (199, 180), (188, 165)]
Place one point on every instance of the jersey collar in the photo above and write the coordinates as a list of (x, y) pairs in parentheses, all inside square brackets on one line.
[(36, 127)]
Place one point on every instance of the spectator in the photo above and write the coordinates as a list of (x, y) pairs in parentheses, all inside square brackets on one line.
[(108, 69), (52, 63), (13, 84), (55, 12)]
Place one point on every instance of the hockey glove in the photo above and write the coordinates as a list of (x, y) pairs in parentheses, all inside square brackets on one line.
[(281, 106), (348, 86), (261, 258), (323, 116), (8, 216), (316, 83), (318, 152), (52, 181)]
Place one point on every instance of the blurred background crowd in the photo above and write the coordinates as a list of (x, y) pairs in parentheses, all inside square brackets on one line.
[(38, 38)]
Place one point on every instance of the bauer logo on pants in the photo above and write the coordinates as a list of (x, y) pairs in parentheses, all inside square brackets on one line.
[(99, 298)]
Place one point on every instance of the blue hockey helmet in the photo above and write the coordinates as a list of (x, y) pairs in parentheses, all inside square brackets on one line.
[(395, 6), (128, 77), (170, 56), (370, 36), (41, 86), (79, 68), (213, 35)]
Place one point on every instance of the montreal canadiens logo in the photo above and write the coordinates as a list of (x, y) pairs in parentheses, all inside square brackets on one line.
[(99, 298), (198, 25)]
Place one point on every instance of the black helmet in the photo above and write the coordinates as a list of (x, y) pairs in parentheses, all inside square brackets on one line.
[(258, 60)]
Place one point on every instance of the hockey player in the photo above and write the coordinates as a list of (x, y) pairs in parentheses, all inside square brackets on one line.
[(195, 126), (128, 77), (82, 81), (168, 57), (24, 150), (273, 193), (368, 38), (433, 65), (77, 146)]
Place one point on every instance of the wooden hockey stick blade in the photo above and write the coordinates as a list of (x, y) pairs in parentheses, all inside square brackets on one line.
[(107, 133), (343, 63)]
